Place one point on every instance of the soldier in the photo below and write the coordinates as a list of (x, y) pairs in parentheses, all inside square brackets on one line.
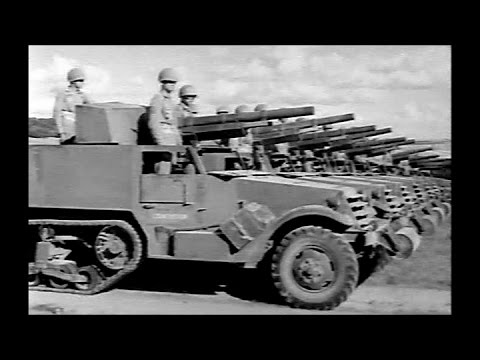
[(187, 95), (162, 121), (64, 108)]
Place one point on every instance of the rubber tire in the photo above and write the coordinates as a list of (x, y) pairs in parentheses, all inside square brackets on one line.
[(370, 265), (339, 252), (93, 276)]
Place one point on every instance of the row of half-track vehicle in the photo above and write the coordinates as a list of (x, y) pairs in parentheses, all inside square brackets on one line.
[(98, 208)]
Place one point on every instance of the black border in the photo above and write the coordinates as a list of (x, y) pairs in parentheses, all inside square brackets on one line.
[(373, 326)]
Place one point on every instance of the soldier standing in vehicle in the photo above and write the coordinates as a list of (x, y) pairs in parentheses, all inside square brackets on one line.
[(162, 120), (187, 95), (65, 102)]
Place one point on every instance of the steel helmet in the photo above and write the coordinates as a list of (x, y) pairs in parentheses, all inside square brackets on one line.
[(75, 74), (168, 74), (188, 90), (222, 110), (194, 108), (260, 107), (241, 109)]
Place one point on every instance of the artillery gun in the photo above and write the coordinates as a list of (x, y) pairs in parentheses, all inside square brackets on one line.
[(425, 217), (98, 209)]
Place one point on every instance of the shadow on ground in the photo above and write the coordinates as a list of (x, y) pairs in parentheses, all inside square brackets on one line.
[(199, 278)]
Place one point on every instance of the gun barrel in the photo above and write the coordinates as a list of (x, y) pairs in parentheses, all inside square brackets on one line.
[(219, 131), (404, 154), (304, 123), (379, 142), (432, 162), (337, 143), (191, 122), (380, 151), (425, 157), (368, 149), (334, 133)]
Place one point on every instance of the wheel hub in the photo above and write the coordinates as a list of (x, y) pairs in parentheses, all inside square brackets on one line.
[(312, 269)]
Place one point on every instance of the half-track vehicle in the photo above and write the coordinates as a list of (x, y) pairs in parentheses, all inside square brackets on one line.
[(99, 207)]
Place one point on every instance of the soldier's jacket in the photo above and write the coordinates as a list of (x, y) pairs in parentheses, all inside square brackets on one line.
[(64, 110), (162, 121), (181, 111)]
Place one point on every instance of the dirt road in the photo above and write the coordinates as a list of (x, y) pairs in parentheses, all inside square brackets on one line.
[(365, 300)]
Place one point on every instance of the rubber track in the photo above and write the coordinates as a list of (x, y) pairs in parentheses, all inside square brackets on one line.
[(105, 283)]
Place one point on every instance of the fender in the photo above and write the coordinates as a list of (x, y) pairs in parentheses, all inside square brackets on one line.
[(252, 253)]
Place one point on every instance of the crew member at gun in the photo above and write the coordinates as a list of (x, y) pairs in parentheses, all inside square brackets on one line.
[(187, 95), (162, 121), (65, 102)]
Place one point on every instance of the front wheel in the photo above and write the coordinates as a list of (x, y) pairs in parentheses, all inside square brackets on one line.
[(314, 268)]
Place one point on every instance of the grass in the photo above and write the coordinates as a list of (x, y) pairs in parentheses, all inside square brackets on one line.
[(429, 267)]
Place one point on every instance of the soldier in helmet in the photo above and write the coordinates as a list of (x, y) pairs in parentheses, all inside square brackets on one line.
[(65, 102), (187, 95), (162, 121)]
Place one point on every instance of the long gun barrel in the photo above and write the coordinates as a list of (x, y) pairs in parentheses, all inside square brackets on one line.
[(433, 162), (283, 129), (248, 116), (316, 143), (334, 133), (406, 153), (369, 149), (422, 158), (292, 135), (378, 142), (226, 126), (380, 151)]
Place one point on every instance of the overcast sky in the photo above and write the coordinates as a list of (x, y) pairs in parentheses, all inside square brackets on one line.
[(405, 87)]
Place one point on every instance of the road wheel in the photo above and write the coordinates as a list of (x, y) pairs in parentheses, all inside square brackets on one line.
[(314, 268), (92, 276), (60, 283), (113, 247)]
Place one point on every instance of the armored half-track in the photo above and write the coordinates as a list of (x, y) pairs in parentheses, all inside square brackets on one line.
[(99, 207)]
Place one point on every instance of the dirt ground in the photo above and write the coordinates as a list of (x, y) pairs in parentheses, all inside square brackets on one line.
[(366, 300)]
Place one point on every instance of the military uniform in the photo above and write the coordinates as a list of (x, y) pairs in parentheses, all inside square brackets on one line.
[(180, 112), (163, 121), (64, 110)]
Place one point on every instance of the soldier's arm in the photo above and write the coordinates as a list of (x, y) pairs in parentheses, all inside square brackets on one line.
[(57, 112), (156, 116)]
